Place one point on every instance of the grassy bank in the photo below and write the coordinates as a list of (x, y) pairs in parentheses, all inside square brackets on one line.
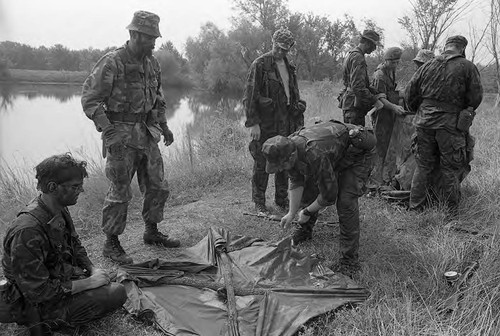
[(403, 255)]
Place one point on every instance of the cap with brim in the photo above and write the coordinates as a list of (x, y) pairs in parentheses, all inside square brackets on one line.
[(457, 39), (277, 151), (423, 56), (146, 23), (372, 36)]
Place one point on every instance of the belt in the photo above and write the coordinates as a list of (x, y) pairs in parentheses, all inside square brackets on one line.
[(127, 117)]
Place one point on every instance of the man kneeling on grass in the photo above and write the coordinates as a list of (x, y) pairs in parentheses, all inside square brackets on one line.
[(51, 282), (327, 163)]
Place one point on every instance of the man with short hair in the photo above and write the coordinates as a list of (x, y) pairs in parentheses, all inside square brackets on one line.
[(328, 163), (51, 282), (384, 81), (123, 95), (272, 107), (358, 97), (444, 92)]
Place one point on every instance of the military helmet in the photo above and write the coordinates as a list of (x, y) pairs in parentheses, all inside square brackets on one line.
[(457, 39), (424, 55), (372, 36), (145, 22), (393, 53), (277, 151), (283, 38)]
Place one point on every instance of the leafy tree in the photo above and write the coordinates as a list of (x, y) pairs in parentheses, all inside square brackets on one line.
[(429, 19), (269, 14)]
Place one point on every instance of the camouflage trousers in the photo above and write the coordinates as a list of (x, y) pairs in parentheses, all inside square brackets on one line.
[(260, 178), (385, 165), (352, 185), (446, 149), (75, 310), (354, 116), (120, 170)]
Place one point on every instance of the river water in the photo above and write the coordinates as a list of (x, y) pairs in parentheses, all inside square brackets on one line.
[(37, 121)]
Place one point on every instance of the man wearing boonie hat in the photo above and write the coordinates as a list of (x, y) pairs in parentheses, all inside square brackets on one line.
[(272, 107), (327, 163), (358, 97), (384, 81), (443, 92), (123, 96), (423, 55)]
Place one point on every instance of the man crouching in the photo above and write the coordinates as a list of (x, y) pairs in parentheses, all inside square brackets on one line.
[(51, 281), (327, 163)]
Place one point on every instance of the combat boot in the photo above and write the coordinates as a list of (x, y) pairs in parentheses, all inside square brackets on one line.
[(303, 232), (154, 237), (114, 250)]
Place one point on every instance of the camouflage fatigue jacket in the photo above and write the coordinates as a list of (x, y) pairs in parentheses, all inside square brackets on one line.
[(441, 88), (384, 81), (265, 100), (42, 253), (358, 93), (321, 151), (122, 85)]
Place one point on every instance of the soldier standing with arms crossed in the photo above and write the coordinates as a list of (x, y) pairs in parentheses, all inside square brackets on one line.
[(123, 96)]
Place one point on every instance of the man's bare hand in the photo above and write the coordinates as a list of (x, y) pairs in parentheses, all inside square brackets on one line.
[(286, 220), (399, 110), (255, 132)]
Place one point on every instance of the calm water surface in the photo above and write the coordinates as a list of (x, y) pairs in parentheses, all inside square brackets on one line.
[(37, 121)]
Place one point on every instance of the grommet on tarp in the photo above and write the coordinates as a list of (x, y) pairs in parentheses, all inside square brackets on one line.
[(451, 277)]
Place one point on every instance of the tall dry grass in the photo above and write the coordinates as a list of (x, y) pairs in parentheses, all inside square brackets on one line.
[(403, 254)]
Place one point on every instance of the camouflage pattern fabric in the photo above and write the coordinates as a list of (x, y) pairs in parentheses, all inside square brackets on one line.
[(438, 91), (358, 97), (121, 166), (127, 87), (441, 88), (384, 81), (265, 104), (260, 177), (329, 167), (42, 255)]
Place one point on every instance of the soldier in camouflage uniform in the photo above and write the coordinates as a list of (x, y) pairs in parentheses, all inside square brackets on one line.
[(358, 97), (51, 282), (443, 92), (123, 96), (384, 81), (328, 163), (406, 168), (272, 107)]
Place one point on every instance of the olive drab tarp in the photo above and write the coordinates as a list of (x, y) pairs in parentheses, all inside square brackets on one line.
[(277, 287)]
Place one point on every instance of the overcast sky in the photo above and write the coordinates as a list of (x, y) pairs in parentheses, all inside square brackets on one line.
[(79, 24)]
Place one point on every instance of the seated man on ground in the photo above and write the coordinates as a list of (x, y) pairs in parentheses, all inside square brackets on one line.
[(327, 163), (51, 281)]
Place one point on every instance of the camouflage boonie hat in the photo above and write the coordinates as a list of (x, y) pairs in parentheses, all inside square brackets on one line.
[(457, 39), (283, 38), (423, 56), (145, 22), (361, 137), (393, 53), (371, 35), (277, 150)]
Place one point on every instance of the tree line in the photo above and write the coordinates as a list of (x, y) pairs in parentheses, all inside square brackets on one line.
[(218, 60)]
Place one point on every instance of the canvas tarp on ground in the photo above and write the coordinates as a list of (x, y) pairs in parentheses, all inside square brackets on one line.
[(277, 287)]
